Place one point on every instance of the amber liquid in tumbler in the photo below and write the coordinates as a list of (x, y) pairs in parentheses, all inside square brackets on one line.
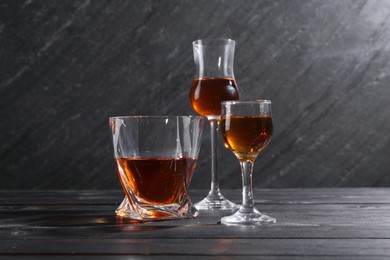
[(206, 94), (158, 181), (246, 136)]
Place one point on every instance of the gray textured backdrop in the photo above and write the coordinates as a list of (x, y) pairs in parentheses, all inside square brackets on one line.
[(66, 66)]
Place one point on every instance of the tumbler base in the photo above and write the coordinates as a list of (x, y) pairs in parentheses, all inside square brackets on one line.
[(147, 212)]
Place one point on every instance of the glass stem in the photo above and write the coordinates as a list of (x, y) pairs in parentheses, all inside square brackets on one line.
[(247, 193), (214, 170)]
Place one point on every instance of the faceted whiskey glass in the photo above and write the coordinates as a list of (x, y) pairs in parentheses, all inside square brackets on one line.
[(155, 157)]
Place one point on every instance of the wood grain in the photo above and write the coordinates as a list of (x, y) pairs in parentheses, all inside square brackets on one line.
[(48, 225)]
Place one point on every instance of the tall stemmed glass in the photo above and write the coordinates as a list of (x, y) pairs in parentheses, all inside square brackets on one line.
[(246, 127), (213, 83)]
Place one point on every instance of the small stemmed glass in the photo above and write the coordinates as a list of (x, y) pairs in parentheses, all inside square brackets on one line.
[(246, 127)]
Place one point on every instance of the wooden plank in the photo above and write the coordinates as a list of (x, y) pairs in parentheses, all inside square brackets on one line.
[(205, 247), (353, 230), (61, 197), (198, 231), (293, 221), (187, 257), (287, 215), (262, 196)]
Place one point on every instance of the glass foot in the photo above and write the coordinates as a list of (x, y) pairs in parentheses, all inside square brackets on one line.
[(215, 201), (248, 217)]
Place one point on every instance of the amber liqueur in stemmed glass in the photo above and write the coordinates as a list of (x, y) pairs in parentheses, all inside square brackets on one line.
[(247, 128), (213, 83)]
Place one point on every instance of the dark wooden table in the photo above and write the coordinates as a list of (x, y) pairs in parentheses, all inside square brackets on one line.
[(351, 223)]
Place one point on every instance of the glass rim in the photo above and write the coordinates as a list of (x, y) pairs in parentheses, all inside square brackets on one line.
[(213, 42), (257, 101), (156, 117)]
